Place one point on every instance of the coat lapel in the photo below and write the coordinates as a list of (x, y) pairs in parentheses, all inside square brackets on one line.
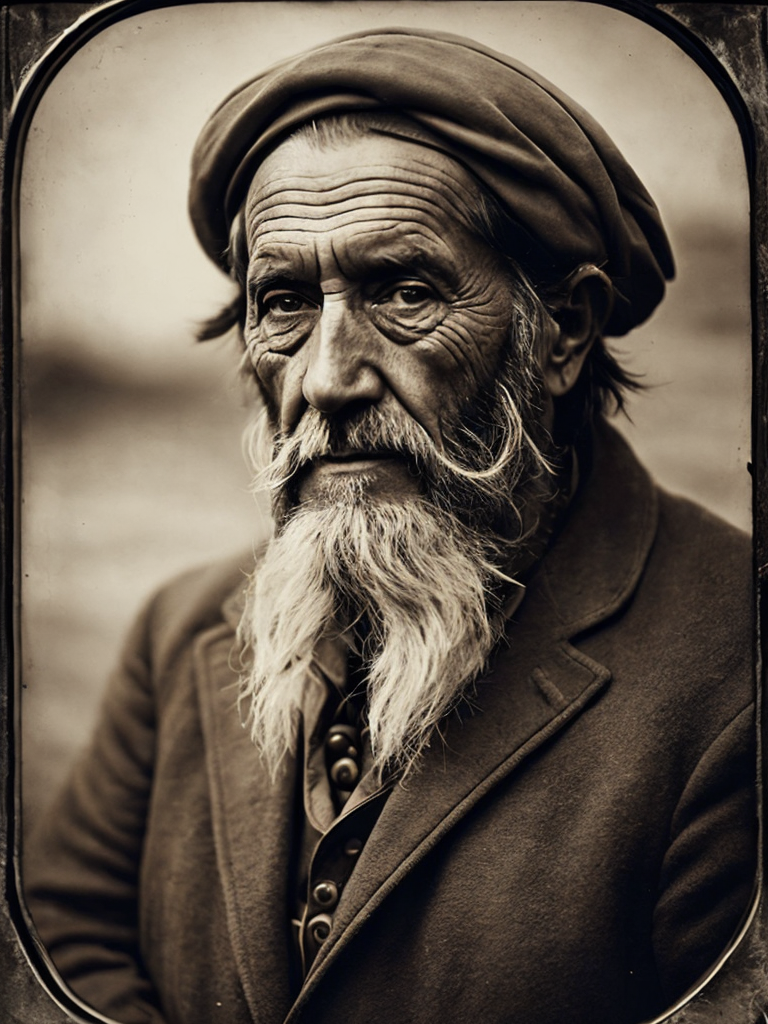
[(538, 682), (252, 831), (525, 699)]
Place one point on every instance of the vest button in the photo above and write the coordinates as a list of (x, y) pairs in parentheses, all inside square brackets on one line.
[(345, 773), (338, 743), (326, 894), (340, 739), (352, 847), (320, 928)]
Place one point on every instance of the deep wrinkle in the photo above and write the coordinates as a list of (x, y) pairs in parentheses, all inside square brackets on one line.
[(347, 261), (319, 189), (405, 251)]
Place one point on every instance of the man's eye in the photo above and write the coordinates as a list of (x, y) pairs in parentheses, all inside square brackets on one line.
[(285, 302), (407, 310), (406, 295), (410, 294)]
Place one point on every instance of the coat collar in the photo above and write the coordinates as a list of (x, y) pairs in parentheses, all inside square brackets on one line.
[(596, 563), (538, 681)]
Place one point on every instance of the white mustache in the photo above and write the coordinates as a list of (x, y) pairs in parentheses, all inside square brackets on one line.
[(369, 433), (372, 432)]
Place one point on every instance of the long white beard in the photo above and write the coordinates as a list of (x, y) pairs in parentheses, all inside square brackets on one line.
[(421, 575), (418, 577)]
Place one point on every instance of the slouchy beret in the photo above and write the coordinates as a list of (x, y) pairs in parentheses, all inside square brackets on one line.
[(552, 168)]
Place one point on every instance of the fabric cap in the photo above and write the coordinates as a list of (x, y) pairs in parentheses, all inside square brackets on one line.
[(551, 166)]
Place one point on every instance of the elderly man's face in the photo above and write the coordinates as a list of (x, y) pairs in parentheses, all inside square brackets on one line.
[(368, 286)]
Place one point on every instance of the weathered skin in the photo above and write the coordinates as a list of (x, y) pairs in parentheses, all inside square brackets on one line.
[(367, 285)]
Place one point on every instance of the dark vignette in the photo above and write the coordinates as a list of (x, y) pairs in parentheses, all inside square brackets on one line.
[(730, 43)]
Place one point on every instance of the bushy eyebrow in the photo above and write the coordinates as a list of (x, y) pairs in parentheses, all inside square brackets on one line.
[(416, 259), (372, 260), (273, 268), (267, 282)]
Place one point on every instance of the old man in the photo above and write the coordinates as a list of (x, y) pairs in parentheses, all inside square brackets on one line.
[(474, 738)]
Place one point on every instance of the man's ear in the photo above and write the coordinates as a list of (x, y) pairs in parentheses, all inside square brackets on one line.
[(579, 318)]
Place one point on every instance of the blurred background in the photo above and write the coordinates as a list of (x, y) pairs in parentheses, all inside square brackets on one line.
[(131, 465)]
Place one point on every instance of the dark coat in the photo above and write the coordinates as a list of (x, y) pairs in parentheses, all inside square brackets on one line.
[(579, 850)]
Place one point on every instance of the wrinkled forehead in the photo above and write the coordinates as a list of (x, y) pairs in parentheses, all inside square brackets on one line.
[(374, 178)]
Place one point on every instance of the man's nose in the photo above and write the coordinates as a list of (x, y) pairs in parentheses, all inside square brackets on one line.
[(341, 360)]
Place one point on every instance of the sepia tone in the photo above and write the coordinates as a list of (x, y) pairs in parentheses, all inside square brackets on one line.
[(119, 435)]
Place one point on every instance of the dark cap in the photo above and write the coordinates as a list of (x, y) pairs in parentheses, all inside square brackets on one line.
[(551, 166)]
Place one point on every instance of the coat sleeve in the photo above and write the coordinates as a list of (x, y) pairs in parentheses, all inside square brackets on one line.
[(709, 871), (81, 872)]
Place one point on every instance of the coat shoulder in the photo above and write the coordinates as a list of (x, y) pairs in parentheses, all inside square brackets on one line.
[(193, 602), (704, 553), (694, 612)]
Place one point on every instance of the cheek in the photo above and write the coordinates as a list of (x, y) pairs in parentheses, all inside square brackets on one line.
[(477, 328), (273, 374), (461, 356), (434, 387)]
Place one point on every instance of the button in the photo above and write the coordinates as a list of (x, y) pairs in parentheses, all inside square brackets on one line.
[(345, 773), (338, 744), (352, 847), (326, 894), (340, 737), (320, 928)]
